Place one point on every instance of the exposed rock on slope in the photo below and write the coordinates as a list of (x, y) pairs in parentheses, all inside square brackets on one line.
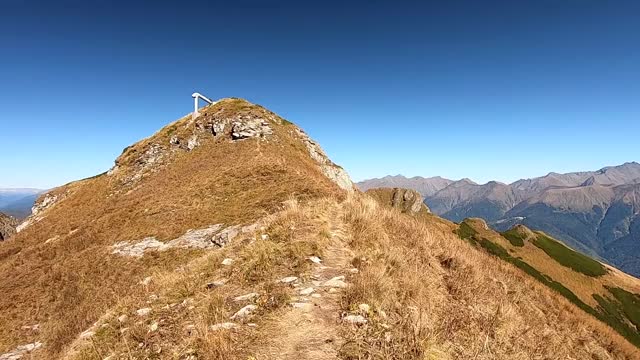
[(405, 200), (7, 226)]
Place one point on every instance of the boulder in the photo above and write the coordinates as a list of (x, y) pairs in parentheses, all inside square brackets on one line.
[(406, 200), (244, 313), (7, 226), (355, 319)]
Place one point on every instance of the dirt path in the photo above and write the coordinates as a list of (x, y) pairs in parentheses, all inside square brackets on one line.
[(308, 328)]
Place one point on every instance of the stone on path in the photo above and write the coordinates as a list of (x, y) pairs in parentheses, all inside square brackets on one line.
[(355, 319), (244, 312), (307, 291), (247, 297), (288, 279), (143, 311), (336, 282), (223, 326)]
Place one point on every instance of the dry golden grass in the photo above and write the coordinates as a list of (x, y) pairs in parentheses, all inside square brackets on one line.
[(435, 296), (67, 284), (432, 296), (184, 308)]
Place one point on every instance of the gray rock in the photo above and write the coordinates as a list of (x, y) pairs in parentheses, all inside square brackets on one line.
[(244, 313), (193, 142), (288, 279), (250, 128), (332, 171), (211, 237), (124, 248), (143, 311), (21, 351), (306, 291), (247, 297), (336, 282), (215, 284), (223, 326), (355, 319)]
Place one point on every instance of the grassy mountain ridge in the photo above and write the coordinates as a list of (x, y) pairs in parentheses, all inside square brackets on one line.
[(599, 290), (233, 236)]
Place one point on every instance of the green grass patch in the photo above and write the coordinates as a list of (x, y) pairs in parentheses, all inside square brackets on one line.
[(514, 237), (466, 232), (629, 302), (502, 253), (619, 313), (569, 258)]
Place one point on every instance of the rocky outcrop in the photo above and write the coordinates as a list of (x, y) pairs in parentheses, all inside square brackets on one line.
[(334, 172), (212, 237), (406, 200), (7, 226), (20, 351), (41, 205), (238, 125), (250, 128)]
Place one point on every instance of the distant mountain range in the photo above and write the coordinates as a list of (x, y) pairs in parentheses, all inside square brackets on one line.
[(18, 202), (425, 186), (596, 212)]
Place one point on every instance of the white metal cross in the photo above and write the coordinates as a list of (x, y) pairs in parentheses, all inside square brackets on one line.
[(196, 96)]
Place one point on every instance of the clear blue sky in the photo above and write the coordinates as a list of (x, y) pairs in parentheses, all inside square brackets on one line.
[(480, 89)]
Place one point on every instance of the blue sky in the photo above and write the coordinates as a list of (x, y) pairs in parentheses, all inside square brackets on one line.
[(480, 89)]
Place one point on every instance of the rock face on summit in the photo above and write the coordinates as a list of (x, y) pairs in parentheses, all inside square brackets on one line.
[(7, 226), (406, 200)]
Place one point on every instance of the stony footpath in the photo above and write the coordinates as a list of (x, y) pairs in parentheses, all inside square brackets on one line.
[(309, 327)]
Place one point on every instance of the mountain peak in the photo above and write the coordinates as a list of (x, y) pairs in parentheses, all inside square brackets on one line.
[(227, 121), (465, 181)]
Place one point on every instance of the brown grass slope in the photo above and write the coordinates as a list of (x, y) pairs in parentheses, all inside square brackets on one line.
[(431, 295), (59, 271), (435, 296)]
